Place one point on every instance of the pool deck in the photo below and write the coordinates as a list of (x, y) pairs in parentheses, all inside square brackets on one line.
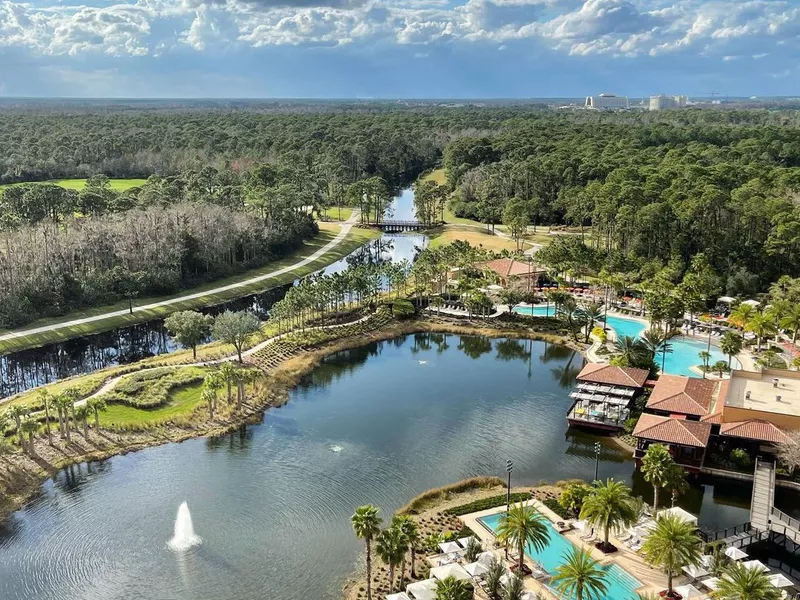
[(652, 580)]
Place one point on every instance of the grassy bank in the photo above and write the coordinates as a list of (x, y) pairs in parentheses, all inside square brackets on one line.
[(118, 185), (356, 237)]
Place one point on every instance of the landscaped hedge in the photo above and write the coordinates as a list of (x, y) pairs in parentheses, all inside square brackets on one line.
[(151, 389), (483, 504), (553, 505)]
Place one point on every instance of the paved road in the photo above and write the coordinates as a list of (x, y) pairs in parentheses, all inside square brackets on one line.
[(346, 226)]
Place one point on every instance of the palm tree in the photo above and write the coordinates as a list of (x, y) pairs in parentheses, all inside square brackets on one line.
[(96, 405), (630, 349), (741, 315), (391, 546), (720, 367), (609, 506), (209, 397), (30, 427), (705, 356), (741, 583), (731, 344), (523, 525), (227, 370), (64, 403), (82, 415), (451, 588), (47, 401), (494, 585), (411, 531), (657, 463), (71, 395), (580, 577), (760, 325), (515, 588), (213, 382), (778, 311), (367, 525), (18, 412), (656, 341), (592, 312), (791, 321), (719, 562), (472, 550), (672, 545)]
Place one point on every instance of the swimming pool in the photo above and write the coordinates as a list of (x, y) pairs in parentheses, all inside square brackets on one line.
[(685, 350), (538, 310), (620, 584)]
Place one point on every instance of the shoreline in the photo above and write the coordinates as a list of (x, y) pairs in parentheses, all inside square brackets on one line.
[(22, 476)]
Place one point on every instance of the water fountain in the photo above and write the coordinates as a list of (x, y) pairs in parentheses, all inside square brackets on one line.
[(184, 536)]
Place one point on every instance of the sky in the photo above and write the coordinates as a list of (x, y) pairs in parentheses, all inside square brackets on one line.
[(398, 48)]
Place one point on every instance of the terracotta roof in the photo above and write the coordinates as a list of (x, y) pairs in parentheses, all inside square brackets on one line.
[(687, 395), (755, 429), (506, 267), (673, 431), (714, 418), (624, 376)]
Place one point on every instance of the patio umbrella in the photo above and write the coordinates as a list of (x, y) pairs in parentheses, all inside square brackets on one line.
[(689, 591), (464, 541), (780, 581), (452, 570), (400, 596), (755, 564), (486, 558), (711, 583), (706, 559), (581, 525), (448, 547), (683, 515), (695, 572), (476, 569), (735, 553), (422, 590)]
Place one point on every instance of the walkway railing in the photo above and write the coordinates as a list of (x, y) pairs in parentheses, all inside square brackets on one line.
[(715, 536)]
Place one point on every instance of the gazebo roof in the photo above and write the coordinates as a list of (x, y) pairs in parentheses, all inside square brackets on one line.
[(673, 431)]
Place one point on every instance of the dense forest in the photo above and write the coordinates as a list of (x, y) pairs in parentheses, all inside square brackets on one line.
[(650, 192)]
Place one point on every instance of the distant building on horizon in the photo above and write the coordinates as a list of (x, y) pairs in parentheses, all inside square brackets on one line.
[(607, 101), (662, 102)]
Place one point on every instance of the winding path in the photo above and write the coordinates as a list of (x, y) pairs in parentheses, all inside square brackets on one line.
[(346, 227)]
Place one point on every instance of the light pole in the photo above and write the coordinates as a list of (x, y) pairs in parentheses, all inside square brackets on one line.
[(509, 468), (596, 460)]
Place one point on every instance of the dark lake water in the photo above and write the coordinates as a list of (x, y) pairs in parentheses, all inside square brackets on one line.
[(20, 371), (376, 424)]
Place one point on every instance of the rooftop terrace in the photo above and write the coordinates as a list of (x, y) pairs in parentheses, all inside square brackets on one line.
[(760, 391)]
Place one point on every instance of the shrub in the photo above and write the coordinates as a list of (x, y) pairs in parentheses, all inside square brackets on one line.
[(630, 424), (740, 458), (403, 309), (483, 504), (600, 334), (554, 505), (573, 496)]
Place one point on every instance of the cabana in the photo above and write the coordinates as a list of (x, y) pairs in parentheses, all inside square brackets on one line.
[(689, 591), (711, 583), (449, 547), (695, 571), (678, 512), (485, 558), (476, 569), (464, 541), (422, 590), (755, 564), (735, 553), (452, 570), (400, 596), (780, 581)]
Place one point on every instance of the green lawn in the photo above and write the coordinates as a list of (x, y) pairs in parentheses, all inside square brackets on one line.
[(182, 403), (334, 212), (357, 237), (118, 185)]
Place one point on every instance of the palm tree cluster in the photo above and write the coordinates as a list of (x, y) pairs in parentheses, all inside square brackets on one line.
[(660, 470), (320, 295), (226, 376), (781, 315), (392, 544), (647, 352)]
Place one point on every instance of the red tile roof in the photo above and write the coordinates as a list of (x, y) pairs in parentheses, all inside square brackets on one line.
[(755, 429), (673, 431), (687, 395), (506, 267), (624, 376), (714, 418)]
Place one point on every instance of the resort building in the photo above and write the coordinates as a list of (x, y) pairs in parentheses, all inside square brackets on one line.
[(751, 410), (662, 102), (607, 102), (514, 273), (603, 396)]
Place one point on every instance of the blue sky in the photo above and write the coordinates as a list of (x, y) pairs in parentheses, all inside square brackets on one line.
[(398, 48)]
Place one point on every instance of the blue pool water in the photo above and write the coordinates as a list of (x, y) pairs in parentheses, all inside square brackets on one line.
[(685, 350), (620, 584), (539, 310)]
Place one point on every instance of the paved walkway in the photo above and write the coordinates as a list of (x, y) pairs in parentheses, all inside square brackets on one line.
[(346, 227)]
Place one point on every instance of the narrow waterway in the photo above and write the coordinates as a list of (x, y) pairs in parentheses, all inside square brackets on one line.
[(376, 424), (20, 371)]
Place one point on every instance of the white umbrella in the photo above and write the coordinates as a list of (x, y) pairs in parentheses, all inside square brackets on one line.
[(706, 559), (476, 569), (448, 547), (695, 572), (780, 581), (581, 525), (454, 570), (422, 590), (505, 579), (400, 596), (755, 564), (711, 583), (486, 558), (683, 515), (529, 596), (464, 541), (735, 553), (689, 591)]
